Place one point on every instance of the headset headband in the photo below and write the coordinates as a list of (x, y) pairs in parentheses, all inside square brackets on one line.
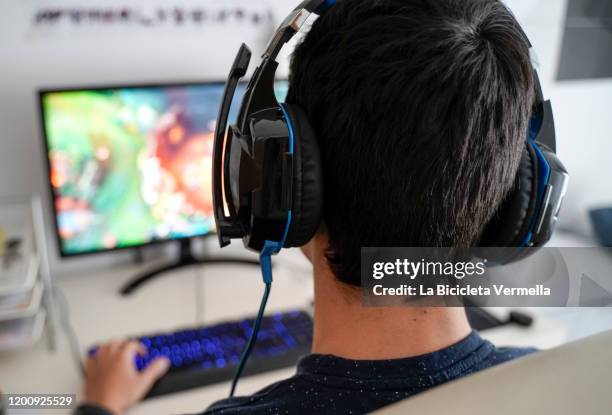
[(293, 23), (262, 82)]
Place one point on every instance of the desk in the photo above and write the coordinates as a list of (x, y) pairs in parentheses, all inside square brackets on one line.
[(192, 296), (182, 298)]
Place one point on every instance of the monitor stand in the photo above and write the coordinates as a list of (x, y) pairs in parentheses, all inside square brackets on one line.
[(186, 259)]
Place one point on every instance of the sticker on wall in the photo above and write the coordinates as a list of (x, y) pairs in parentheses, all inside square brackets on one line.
[(119, 17)]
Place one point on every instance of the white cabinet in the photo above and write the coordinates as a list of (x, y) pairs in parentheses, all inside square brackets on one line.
[(26, 299)]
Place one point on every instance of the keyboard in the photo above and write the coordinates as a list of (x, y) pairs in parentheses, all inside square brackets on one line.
[(201, 356)]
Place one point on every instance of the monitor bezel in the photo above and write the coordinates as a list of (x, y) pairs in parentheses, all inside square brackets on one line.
[(41, 92)]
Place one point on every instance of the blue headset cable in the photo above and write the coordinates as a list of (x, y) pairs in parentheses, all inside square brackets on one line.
[(265, 260)]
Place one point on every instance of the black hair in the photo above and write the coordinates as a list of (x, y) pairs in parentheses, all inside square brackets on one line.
[(421, 108)]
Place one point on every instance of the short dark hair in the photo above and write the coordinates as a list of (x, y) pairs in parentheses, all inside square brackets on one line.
[(421, 109)]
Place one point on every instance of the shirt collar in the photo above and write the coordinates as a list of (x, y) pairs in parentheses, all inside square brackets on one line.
[(460, 356)]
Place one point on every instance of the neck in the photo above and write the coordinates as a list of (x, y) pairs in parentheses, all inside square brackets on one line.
[(342, 327)]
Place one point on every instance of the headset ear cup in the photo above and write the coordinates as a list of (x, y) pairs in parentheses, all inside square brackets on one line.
[(307, 203), (512, 221)]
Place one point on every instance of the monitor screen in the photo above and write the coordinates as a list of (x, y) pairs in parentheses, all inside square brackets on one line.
[(131, 165)]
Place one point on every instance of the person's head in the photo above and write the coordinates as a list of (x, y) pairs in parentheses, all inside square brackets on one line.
[(421, 109)]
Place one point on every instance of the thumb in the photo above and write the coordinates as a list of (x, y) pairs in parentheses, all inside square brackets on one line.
[(156, 369)]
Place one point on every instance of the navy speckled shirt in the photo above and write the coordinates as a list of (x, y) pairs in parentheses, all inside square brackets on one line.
[(327, 384)]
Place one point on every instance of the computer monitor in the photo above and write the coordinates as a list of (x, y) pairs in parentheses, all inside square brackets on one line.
[(131, 165)]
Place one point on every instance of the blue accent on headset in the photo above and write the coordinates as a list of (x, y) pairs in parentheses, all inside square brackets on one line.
[(543, 170), (282, 242), (273, 247), (325, 6), (290, 126), (265, 261)]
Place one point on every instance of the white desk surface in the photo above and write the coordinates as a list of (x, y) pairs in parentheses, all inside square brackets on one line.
[(191, 296)]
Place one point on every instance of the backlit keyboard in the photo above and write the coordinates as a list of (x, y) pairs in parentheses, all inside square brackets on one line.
[(203, 355)]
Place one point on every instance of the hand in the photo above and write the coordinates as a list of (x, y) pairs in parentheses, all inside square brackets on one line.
[(112, 380)]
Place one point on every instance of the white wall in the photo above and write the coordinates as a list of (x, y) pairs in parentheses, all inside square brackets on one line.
[(31, 58)]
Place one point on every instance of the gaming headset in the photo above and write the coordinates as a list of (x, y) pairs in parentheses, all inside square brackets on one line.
[(268, 176)]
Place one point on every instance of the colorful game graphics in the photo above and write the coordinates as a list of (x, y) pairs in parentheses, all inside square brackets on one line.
[(132, 165)]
